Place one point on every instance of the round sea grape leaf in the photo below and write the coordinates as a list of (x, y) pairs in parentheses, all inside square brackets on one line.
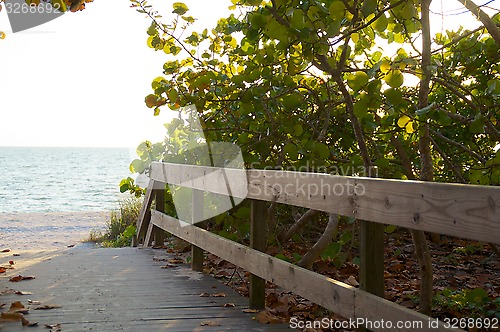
[(394, 78), (150, 100), (381, 23), (403, 121), (322, 150), (179, 8), (337, 10), (357, 81), (291, 150), (394, 96), (477, 126), (369, 7), (137, 166), (385, 66), (257, 20), (409, 127), (298, 129)]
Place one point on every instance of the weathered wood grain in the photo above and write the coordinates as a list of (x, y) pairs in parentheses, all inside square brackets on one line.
[(144, 214), (465, 211), (124, 290)]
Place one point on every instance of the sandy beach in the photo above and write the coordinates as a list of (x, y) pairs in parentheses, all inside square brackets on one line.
[(48, 230)]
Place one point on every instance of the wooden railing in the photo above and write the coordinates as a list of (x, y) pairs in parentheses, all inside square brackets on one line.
[(465, 211)]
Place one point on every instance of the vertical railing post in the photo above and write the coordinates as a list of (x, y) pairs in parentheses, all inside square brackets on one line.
[(197, 215), (258, 241), (371, 273), (159, 234)]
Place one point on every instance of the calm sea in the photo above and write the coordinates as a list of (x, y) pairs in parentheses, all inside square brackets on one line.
[(61, 179)]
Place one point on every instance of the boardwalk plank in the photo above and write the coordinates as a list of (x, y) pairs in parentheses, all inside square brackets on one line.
[(123, 290)]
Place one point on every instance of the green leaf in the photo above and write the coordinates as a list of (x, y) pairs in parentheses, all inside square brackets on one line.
[(369, 7), (137, 166), (298, 129), (291, 150), (381, 23), (477, 126), (337, 10), (179, 8), (322, 150), (390, 229), (358, 80), (394, 78)]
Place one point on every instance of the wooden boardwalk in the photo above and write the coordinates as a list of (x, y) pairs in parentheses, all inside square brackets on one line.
[(121, 290)]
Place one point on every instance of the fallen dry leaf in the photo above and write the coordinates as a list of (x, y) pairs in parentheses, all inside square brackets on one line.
[(71, 246), (16, 255), (209, 323), (250, 311), (265, 317), (23, 293), (47, 307), (33, 302), (54, 327), (352, 281), (12, 262), (219, 295), (229, 305), (175, 261), (204, 295), (6, 250), (168, 266), (16, 313), (2, 269), (20, 278)]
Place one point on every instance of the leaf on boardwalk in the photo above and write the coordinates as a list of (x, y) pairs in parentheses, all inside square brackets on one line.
[(6, 250), (54, 327), (33, 302), (15, 314), (175, 261), (250, 311), (3, 269), (229, 305), (204, 295), (18, 307), (12, 262), (23, 293), (21, 278), (209, 323), (169, 266), (219, 295), (47, 307)]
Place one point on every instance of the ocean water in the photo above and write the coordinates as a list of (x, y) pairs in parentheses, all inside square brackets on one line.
[(34, 179)]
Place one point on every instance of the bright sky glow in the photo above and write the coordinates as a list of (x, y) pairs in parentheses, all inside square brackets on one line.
[(81, 79)]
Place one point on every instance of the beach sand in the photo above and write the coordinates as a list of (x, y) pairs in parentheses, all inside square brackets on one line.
[(50, 230)]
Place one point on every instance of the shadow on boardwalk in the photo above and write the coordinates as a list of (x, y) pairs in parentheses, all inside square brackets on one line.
[(121, 290)]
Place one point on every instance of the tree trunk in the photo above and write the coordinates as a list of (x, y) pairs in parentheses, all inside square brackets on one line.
[(298, 225), (313, 254), (421, 247)]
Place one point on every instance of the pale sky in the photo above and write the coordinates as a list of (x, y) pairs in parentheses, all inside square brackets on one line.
[(80, 80)]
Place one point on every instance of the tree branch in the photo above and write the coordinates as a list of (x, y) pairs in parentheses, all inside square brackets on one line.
[(484, 18)]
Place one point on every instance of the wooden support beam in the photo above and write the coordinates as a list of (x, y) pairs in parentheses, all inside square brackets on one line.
[(197, 207), (258, 241), (144, 215), (159, 234)]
